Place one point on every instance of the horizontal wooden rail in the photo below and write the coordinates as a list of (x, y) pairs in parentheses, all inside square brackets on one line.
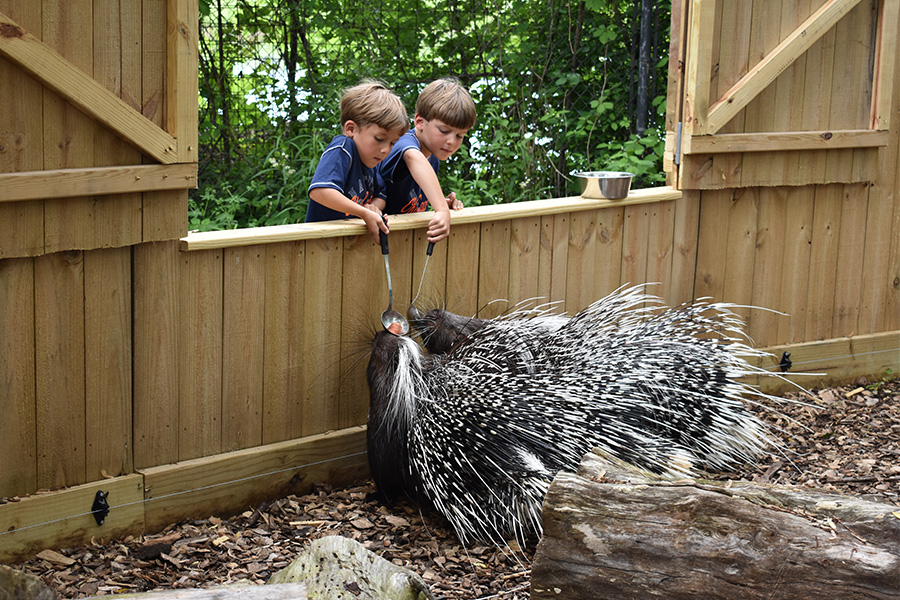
[(782, 141), (96, 181), (209, 240)]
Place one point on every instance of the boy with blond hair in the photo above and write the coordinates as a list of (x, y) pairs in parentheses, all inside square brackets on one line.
[(345, 183), (444, 114)]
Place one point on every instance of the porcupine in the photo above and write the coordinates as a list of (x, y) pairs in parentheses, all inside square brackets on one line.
[(479, 431)]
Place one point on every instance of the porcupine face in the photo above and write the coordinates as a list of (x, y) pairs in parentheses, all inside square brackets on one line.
[(442, 331)]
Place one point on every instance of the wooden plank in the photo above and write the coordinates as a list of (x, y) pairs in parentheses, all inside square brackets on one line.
[(684, 253), (553, 259), (108, 343), (826, 232), (200, 348), (762, 74), (834, 361), (434, 287), (156, 342), (610, 250), (364, 296), (584, 266), (698, 67), (635, 234), (848, 290), (524, 260), (95, 181), (67, 79), (712, 245), (493, 269), (182, 81), (768, 272), (817, 108), (462, 269), (165, 216), (741, 251), (887, 47), (243, 325), (321, 365), (18, 429), (795, 269), (59, 365), (864, 29), (285, 334), (471, 215), (786, 140), (229, 483), (660, 245), (63, 519)]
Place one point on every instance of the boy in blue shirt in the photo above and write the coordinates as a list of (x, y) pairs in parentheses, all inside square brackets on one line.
[(444, 114), (345, 184)]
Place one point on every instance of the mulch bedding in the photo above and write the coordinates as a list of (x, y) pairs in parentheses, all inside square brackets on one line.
[(844, 439)]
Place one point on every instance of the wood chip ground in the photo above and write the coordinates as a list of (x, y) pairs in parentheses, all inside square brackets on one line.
[(844, 439)]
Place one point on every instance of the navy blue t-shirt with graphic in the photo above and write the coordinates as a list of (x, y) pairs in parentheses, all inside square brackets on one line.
[(340, 168), (401, 192)]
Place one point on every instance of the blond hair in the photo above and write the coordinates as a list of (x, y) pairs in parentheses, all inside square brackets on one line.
[(448, 101), (372, 102)]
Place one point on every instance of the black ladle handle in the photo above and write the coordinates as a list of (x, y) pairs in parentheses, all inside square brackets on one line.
[(382, 236), (430, 248)]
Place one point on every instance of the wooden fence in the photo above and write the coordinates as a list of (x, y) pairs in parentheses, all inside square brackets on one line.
[(190, 375)]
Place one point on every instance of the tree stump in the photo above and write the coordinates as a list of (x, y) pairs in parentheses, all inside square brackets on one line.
[(612, 531)]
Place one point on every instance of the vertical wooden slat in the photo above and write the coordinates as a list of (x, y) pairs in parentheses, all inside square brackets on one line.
[(823, 262), (156, 342), (18, 432), (635, 234), (553, 259), (493, 275), (524, 258), (769, 264), (182, 82), (660, 245), (60, 362), (286, 318), (108, 381), (712, 245), (21, 223), (582, 255), (243, 324), (741, 251), (434, 286), (199, 359), (610, 250), (850, 258), (462, 269), (796, 264), (817, 105), (684, 253), (698, 68), (321, 363)]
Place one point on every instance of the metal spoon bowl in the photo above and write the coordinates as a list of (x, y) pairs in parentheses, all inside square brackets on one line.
[(393, 321)]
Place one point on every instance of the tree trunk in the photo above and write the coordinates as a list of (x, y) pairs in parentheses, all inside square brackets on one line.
[(689, 539)]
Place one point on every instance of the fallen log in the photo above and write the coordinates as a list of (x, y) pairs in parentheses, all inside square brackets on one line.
[(612, 531)]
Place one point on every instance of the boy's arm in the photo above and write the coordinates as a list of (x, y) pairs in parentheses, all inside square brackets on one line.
[(424, 174), (333, 199)]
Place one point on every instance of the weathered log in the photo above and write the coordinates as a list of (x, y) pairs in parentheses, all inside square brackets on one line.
[(241, 591), (16, 585), (611, 531)]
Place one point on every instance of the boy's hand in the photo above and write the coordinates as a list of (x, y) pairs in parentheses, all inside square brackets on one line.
[(375, 223), (453, 203), (439, 226)]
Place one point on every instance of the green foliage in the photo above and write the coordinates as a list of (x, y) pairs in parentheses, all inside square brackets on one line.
[(553, 81)]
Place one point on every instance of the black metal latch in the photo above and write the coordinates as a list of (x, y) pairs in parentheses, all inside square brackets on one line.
[(100, 508)]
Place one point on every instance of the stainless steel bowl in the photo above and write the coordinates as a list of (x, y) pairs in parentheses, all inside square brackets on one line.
[(612, 185)]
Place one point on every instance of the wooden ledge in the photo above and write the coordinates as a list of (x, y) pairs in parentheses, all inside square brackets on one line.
[(477, 214)]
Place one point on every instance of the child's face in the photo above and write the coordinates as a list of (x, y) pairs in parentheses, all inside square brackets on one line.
[(438, 138), (373, 142)]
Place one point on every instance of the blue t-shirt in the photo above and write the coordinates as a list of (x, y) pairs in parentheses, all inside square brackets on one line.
[(401, 192), (341, 169)]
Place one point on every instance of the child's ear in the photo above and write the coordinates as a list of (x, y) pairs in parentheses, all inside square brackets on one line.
[(419, 121), (350, 128)]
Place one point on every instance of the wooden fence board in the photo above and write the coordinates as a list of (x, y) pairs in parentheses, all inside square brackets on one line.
[(609, 251), (434, 287), (825, 235), (493, 271), (684, 253), (586, 265), (850, 260), (285, 336), (768, 271), (524, 260), (553, 259), (200, 349), (364, 297), (795, 278), (712, 244), (18, 429), (321, 365), (635, 235), (740, 256), (108, 343), (462, 269), (660, 244), (156, 357), (243, 324), (59, 366), (817, 80)]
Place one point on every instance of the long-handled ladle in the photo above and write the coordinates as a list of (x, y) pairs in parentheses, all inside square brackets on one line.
[(412, 312), (390, 318)]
